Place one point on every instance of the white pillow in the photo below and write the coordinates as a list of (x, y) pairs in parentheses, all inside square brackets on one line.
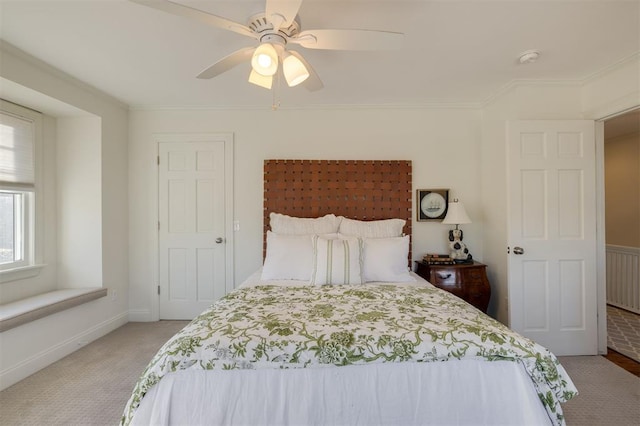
[(336, 261), (386, 260), (289, 257), (283, 224), (372, 228)]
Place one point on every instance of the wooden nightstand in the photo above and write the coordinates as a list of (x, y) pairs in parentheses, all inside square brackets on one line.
[(467, 281)]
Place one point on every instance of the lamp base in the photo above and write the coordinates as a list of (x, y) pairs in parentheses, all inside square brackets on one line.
[(457, 249)]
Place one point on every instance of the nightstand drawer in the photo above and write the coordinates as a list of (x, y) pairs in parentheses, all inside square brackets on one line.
[(444, 277), (447, 279), (466, 280), (473, 274)]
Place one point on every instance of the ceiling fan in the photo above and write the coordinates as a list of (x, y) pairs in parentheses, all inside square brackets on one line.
[(275, 29)]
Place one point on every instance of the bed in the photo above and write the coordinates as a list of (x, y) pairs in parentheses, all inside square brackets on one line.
[(335, 329)]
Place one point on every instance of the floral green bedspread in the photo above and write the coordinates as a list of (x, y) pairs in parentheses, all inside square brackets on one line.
[(319, 326)]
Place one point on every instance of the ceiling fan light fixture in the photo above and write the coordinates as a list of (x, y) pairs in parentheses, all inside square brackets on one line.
[(274, 29), (294, 70), (260, 80), (265, 60)]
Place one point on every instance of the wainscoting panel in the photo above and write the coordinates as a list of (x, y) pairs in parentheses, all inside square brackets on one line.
[(623, 277)]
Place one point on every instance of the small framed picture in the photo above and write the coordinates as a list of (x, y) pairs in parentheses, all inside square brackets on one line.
[(432, 204)]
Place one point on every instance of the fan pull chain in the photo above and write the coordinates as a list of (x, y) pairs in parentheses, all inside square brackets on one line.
[(275, 102)]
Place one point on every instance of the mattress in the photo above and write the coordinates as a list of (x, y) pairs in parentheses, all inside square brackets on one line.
[(275, 353)]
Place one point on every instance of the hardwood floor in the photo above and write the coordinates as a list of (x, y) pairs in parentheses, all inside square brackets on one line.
[(627, 363)]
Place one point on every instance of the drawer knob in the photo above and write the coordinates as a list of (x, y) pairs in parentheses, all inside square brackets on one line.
[(444, 276)]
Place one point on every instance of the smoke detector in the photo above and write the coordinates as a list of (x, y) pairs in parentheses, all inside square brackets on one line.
[(529, 56)]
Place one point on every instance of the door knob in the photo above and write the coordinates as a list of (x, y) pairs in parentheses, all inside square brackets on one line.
[(219, 240), (518, 250)]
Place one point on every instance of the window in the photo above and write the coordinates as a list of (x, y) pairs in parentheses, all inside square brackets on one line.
[(14, 229), (20, 142)]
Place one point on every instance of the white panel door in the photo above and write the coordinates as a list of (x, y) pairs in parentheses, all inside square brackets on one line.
[(552, 234), (191, 201)]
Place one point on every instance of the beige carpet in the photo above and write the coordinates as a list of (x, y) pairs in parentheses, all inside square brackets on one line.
[(608, 395), (92, 385)]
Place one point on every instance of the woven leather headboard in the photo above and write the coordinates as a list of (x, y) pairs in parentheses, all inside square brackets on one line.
[(357, 189)]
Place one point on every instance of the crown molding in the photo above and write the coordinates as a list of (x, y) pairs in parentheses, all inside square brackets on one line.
[(612, 67), (561, 82), (11, 50), (517, 83)]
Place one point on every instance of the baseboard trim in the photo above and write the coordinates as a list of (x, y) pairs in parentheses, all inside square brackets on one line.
[(140, 315), (47, 357)]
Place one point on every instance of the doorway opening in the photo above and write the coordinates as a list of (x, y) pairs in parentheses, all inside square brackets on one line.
[(622, 234)]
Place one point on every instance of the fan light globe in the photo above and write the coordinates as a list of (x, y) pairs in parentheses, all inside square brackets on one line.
[(294, 70), (265, 59), (260, 80)]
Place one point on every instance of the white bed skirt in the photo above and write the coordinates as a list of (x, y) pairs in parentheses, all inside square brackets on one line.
[(449, 393)]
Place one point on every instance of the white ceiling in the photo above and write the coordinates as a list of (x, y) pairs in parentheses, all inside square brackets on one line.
[(455, 52)]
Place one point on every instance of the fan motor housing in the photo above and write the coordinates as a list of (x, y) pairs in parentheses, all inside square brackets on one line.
[(263, 27)]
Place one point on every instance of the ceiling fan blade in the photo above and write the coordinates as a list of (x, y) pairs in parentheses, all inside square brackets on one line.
[(228, 62), (313, 82), (282, 12), (349, 39), (198, 15)]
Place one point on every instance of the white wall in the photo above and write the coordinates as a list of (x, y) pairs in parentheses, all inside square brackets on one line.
[(29, 347), (79, 225), (444, 145)]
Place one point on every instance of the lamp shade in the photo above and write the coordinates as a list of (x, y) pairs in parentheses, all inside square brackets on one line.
[(260, 80), (294, 70), (265, 59), (456, 214)]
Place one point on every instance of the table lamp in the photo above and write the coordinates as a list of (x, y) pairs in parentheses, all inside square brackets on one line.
[(457, 215)]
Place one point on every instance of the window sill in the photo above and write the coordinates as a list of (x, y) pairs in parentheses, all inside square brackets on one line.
[(32, 308), (20, 273)]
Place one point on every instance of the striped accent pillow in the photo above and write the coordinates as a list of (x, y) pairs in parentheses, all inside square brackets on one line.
[(336, 261)]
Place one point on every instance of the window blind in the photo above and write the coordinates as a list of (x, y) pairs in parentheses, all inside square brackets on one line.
[(17, 168)]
